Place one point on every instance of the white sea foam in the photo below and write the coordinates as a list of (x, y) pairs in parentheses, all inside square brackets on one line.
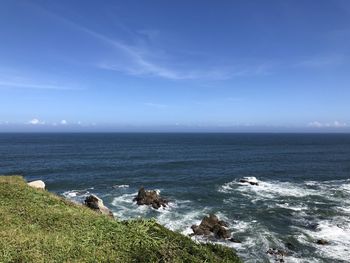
[(242, 226), (77, 195), (126, 208), (336, 232), (300, 207), (121, 186), (345, 187), (273, 189), (181, 221), (304, 199)]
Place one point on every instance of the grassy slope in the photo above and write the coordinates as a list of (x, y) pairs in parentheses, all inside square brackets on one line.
[(37, 226)]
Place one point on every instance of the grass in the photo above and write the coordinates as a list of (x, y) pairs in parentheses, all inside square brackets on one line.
[(38, 226)]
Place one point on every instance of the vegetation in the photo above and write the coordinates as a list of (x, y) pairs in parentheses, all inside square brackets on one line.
[(38, 226)]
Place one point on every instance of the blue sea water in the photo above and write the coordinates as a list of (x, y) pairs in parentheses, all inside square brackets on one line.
[(303, 193)]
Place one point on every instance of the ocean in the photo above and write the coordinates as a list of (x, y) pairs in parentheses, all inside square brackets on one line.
[(303, 193)]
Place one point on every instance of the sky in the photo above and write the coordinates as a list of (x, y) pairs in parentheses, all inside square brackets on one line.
[(195, 65)]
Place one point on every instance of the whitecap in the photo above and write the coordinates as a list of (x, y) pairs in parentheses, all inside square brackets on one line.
[(270, 189), (181, 221), (77, 195), (336, 232), (300, 207), (121, 186)]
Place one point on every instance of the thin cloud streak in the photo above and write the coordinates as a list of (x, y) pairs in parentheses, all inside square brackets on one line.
[(155, 105), (141, 65), (26, 85), (321, 61)]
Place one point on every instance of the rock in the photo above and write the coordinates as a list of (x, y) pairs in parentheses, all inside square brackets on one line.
[(312, 226), (211, 225), (234, 240), (250, 180), (96, 204), (38, 184), (223, 223), (290, 246), (322, 242), (151, 198), (277, 254)]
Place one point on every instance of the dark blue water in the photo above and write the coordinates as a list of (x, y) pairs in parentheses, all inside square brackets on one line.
[(303, 195)]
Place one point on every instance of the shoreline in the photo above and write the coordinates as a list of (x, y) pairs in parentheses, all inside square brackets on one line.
[(41, 226)]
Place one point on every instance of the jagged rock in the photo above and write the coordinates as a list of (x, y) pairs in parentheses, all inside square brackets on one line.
[(38, 184), (211, 225), (250, 180), (95, 203), (322, 242), (150, 197)]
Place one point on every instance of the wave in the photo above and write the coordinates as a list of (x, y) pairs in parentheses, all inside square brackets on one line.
[(316, 210), (120, 186), (304, 212), (336, 231), (77, 196), (334, 190)]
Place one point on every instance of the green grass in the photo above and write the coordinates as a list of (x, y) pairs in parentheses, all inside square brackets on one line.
[(38, 226)]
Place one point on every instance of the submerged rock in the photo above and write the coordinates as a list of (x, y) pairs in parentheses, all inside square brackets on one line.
[(150, 197), (38, 184), (95, 203), (211, 225), (234, 240), (290, 246), (250, 180), (322, 242)]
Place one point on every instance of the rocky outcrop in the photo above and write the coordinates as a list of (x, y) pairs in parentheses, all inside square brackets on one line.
[(38, 184), (250, 180), (150, 197), (211, 225), (95, 203)]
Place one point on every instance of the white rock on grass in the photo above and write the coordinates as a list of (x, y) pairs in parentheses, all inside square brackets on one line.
[(38, 184)]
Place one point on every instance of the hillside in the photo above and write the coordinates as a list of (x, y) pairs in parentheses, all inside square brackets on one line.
[(38, 226)]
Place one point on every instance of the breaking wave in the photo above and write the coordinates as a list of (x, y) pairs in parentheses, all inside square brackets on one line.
[(309, 211), (273, 214)]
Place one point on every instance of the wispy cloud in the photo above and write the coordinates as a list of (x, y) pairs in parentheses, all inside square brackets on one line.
[(30, 85), (147, 68), (155, 105), (20, 79), (321, 61), (144, 60), (334, 124)]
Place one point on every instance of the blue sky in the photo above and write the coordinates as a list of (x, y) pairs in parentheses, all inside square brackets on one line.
[(174, 65)]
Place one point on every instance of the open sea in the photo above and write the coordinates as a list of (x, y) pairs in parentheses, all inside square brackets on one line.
[(303, 193)]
